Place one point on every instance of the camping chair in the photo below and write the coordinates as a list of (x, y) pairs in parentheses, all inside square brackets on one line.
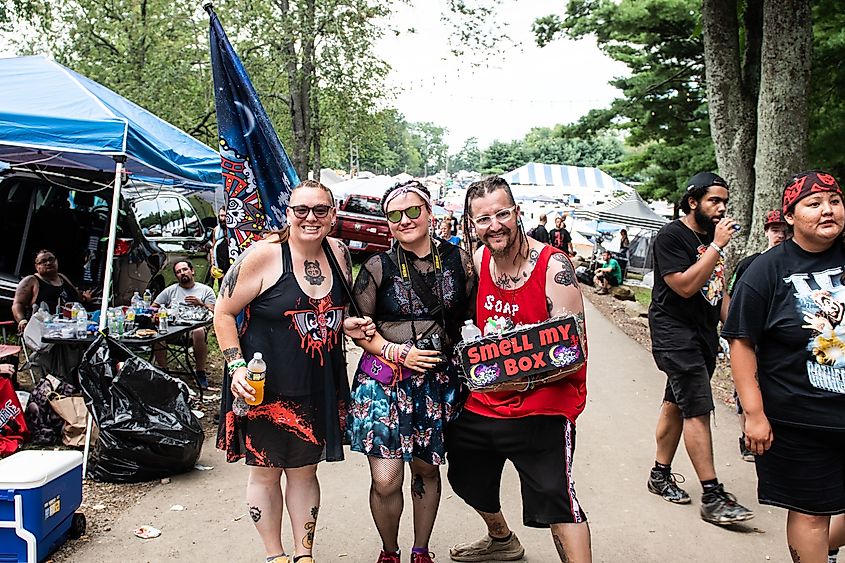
[(12, 350)]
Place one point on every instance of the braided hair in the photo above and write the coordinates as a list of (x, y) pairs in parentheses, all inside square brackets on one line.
[(479, 189)]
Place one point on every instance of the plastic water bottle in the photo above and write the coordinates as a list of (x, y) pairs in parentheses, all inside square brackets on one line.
[(129, 323), (137, 303), (74, 311), (469, 331), (257, 373), (110, 322), (148, 299), (82, 324), (162, 320)]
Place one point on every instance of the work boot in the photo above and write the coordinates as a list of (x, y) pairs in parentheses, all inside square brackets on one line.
[(744, 451), (666, 485), (721, 508), (487, 549)]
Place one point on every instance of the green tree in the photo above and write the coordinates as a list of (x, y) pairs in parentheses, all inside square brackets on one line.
[(428, 140), (663, 107), (503, 157), (468, 158)]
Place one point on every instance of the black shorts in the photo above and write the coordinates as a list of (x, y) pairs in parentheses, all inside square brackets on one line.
[(688, 372), (804, 470), (541, 449)]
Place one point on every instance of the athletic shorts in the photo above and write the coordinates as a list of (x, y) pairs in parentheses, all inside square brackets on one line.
[(688, 372), (541, 449), (804, 470)]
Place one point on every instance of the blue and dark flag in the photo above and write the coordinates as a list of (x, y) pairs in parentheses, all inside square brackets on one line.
[(257, 174)]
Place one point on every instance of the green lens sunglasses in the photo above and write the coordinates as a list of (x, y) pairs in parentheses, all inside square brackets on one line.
[(412, 212)]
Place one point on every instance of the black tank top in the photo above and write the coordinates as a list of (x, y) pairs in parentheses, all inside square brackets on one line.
[(54, 294), (299, 336)]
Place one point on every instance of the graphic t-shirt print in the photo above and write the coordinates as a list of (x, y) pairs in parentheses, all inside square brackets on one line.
[(318, 326), (820, 298), (713, 289)]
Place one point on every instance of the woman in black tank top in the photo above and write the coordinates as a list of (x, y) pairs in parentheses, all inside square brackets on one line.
[(293, 314)]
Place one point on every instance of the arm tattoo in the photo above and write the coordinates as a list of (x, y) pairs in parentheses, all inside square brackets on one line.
[(549, 305), (232, 354), (230, 280), (313, 273), (567, 274)]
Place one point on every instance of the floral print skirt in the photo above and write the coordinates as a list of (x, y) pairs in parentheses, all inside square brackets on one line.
[(405, 420)]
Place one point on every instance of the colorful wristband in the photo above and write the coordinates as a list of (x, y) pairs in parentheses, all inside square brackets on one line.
[(235, 364)]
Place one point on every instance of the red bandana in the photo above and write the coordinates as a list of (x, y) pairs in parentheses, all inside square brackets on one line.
[(807, 183)]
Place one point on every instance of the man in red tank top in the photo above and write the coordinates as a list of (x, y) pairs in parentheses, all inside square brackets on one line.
[(532, 425)]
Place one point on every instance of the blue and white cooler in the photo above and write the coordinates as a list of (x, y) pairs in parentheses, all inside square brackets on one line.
[(39, 494)]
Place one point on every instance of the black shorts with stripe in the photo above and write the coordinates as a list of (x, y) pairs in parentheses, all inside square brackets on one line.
[(541, 449)]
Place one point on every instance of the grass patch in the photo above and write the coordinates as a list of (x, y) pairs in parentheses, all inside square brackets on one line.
[(642, 295)]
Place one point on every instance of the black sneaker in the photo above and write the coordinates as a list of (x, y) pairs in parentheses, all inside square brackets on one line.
[(744, 451), (721, 508), (666, 485)]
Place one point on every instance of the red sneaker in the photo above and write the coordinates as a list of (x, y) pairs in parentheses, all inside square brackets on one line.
[(389, 557), (422, 557)]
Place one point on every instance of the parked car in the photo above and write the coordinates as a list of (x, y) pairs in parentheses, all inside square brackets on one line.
[(362, 225), (70, 216)]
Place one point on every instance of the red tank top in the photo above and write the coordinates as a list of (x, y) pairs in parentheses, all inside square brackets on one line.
[(525, 305)]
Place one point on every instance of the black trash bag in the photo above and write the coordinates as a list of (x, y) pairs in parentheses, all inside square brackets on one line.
[(147, 429)]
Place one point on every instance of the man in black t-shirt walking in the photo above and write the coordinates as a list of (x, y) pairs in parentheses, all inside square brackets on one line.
[(687, 303), (560, 238)]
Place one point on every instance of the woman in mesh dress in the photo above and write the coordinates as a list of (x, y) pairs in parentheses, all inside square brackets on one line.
[(406, 388)]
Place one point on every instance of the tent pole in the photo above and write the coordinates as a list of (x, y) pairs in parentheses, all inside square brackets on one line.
[(107, 284)]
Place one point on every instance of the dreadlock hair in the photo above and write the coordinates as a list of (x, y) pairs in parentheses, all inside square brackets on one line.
[(479, 189), (416, 184), (283, 234)]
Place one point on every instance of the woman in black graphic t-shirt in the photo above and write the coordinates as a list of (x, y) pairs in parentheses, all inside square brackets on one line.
[(787, 337)]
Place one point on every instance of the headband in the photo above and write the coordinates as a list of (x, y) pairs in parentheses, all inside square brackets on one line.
[(402, 190), (805, 184)]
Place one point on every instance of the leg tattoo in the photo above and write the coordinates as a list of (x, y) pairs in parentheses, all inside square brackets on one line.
[(310, 528), (255, 513), (561, 551), (417, 486)]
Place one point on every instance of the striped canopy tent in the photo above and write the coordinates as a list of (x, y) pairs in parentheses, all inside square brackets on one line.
[(629, 210), (533, 180)]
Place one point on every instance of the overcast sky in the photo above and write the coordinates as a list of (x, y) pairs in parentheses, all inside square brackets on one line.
[(504, 98)]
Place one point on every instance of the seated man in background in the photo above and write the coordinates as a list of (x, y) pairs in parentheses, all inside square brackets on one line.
[(187, 292), (608, 274)]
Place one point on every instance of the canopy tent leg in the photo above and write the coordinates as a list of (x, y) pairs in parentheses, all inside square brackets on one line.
[(107, 283)]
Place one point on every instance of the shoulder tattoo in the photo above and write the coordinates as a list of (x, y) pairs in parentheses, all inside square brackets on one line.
[(230, 280)]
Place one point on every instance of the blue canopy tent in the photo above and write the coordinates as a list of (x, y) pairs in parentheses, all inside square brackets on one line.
[(54, 118)]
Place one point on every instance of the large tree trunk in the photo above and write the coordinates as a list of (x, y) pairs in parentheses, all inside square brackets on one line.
[(783, 112), (732, 90), (300, 72)]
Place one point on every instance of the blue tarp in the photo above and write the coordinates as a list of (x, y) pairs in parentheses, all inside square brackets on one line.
[(54, 117)]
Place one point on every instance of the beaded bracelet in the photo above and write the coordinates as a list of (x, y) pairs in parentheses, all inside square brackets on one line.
[(235, 364), (406, 349)]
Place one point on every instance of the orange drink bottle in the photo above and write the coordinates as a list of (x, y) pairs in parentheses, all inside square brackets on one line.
[(256, 374)]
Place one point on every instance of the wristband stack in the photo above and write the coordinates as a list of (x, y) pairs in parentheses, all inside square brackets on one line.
[(235, 364), (718, 249)]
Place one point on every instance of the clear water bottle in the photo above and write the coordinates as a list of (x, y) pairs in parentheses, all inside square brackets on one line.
[(129, 322), (148, 299), (137, 303), (110, 322), (82, 324), (469, 331), (162, 320)]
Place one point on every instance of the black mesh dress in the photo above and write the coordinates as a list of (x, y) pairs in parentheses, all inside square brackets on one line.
[(408, 419), (306, 390)]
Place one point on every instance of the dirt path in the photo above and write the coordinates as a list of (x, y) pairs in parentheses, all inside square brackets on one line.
[(615, 450)]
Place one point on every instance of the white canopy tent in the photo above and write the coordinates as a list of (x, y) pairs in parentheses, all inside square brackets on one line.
[(562, 182)]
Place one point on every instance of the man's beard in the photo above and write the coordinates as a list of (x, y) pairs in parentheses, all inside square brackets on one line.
[(704, 222), (184, 279), (508, 234)]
